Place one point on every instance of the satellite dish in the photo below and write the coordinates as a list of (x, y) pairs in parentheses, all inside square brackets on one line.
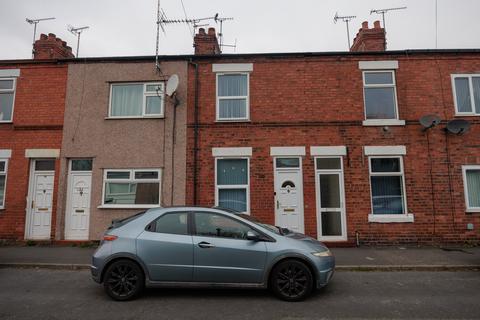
[(458, 126), (172, 85), (429, 121)]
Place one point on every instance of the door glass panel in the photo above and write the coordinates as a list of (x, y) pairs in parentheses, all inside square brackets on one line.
[(216, 225), (174, 223), (82, 165), (331, 224), (329, 191), (44, 165), (287, 162), (328, 163)]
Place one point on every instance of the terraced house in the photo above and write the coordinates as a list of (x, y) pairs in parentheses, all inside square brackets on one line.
[(330, 143)]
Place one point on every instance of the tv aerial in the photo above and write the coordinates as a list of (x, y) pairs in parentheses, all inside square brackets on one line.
[(383, 11), (220, 33), (429, 121), (35, 22), (458, 126), (345, 19), (77, 31)]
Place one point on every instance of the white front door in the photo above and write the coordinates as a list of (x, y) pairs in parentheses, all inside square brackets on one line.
[(289, 194), (39, 219), (77, 215), (331, 218)]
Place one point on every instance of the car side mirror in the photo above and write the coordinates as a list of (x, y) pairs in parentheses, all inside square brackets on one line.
[(252, 236)]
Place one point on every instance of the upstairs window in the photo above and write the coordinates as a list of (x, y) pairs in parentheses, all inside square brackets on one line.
[(139, 188), (7, 97), (232, 96), (380, 95), (137, 100), (466, 92)]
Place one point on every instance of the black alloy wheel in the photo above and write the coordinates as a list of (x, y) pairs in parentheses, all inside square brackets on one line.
[(291, 280), (124, 280)]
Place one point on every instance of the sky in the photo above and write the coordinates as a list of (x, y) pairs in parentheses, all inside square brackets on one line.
[(128, 27)]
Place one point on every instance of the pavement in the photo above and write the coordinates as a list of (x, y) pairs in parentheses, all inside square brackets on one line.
[(395, 258)]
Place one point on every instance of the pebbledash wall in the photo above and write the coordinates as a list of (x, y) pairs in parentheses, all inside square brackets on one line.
[(123, 143), (30, 133), (308, 105)]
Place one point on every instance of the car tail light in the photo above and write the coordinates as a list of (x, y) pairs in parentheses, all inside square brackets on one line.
[(109, 237)]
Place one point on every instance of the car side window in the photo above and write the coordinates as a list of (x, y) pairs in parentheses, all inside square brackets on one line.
[(217, 225), (173, 223)]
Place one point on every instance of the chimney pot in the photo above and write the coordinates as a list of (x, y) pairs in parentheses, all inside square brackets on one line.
[(201, 31), (376, 24), (211, 31), (365, 25)]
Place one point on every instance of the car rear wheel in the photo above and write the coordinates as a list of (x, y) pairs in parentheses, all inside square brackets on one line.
[(124, 280), (291, 280)]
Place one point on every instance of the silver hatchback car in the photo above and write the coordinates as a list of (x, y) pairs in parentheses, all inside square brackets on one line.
[(208, 247)]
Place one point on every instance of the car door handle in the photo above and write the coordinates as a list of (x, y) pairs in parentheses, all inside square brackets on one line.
[(206, 245)]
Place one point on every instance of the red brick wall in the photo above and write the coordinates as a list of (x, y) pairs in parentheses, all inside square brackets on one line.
[(37, 124), (318, 101)]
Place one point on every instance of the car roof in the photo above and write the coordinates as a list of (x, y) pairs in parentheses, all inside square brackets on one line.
[(195, 208)]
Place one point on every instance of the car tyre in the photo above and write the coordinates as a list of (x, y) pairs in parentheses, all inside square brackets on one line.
[(124, 280), (291, 280)]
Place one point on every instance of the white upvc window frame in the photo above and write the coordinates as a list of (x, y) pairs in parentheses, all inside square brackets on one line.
[(4, 173), (233, 186), (13, 90), (387, 218), (144, 100), (131, 180), (381, 122), (218, 98), (470, 86), (465, 168)]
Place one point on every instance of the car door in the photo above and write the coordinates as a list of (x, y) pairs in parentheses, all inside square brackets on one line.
[(166, 248), (221, 252)]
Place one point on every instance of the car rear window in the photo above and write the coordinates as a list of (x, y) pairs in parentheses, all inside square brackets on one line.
[(117, 223)]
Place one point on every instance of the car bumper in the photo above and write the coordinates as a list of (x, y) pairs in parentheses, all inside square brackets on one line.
[(325, 271), (96, 275)]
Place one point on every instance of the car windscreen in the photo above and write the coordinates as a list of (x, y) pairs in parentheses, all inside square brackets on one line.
[(117, 223), (267, 226)]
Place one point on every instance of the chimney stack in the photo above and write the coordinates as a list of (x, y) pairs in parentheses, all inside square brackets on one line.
[(51, 47), (370, 39), (206, 43)]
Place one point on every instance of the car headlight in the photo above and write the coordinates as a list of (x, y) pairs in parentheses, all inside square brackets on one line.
[(326, 253)]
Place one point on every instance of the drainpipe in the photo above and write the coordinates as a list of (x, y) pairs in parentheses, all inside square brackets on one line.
[(195, 137)]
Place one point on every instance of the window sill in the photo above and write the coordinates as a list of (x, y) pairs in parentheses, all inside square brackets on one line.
[(232, 120), (390, 218), (467, 114), (6, 122), (134, 118), (128, 206), (383, 122), (467, 211)]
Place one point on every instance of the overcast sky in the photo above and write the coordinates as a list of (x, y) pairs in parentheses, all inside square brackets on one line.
[(127, 27)]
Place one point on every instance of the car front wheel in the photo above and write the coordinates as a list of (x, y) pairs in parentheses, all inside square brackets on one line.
[(291, 280), (124, 280)]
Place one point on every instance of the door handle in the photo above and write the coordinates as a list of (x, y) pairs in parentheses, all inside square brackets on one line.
[(206, 245)]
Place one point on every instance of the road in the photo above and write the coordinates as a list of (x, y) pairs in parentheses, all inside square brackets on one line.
[(61, 294)]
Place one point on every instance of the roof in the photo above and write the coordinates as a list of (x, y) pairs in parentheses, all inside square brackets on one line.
[(230, 56)]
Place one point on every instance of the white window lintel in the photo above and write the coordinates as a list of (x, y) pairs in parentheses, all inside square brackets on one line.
[(391, 218), (328, 151), (5, 154), (232, 67), (232, 152), (385, 150), (287, 151), (42, 153), (378, 65), (5, 73)]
